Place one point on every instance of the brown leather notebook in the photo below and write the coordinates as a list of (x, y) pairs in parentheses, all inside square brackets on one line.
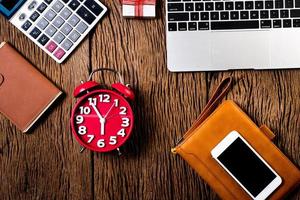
[(211, 127), (25, 94)]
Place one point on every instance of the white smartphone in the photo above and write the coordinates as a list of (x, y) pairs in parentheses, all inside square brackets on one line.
[(246, 166)]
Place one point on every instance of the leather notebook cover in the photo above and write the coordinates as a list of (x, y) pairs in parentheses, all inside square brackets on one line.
[(197, 145), (25, 94)]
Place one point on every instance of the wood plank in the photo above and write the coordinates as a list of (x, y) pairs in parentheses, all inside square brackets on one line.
[(45, 164), (164, 108), (151, 172)]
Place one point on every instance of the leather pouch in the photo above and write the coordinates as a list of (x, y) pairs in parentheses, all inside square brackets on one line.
[(25, 94), (211, 127)]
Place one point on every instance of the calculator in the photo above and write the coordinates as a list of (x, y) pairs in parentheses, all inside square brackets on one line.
[(56, 26)]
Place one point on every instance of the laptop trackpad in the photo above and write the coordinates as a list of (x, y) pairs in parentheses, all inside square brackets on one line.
[(249, 49)]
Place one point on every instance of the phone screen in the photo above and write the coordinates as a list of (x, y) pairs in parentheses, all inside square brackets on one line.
[(246, 167)]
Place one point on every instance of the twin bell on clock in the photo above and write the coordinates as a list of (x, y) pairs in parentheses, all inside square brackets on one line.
[(102, 119)]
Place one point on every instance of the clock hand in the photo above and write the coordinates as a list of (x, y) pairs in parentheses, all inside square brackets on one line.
[(114, 115), (97, 112), (102, 123), (109, 110), (102, 120)]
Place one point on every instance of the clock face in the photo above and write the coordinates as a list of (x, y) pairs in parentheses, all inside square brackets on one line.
[(102, 120)]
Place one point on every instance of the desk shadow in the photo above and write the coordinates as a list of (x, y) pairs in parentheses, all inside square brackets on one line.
[(139, 141)]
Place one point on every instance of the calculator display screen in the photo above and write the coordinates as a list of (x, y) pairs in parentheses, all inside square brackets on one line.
[(9, 7)]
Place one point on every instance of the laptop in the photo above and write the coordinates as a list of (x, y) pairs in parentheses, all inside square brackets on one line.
[(205, 35), (56, 26)]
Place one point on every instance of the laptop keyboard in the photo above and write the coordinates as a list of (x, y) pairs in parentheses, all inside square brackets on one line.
[(203, 15), (59, 25)]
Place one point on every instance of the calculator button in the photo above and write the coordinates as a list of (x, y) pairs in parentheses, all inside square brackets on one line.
[(81, 28), (74, 36), (42, 7), (93, 6), (59, 53), (32, 5), (34, 16), (26, 25), (42, 24), (43, 40), (57, 6), (35, 32), (74, 4), (66, 29), (59, 37), (65, 13), (74, 20), (67, 44), (51, 30), (50, 15), (58, 22), (22, 16), (48, 1), (86, 15), (51, 46)]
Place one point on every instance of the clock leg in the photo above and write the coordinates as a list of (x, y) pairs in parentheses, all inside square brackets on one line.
[(82, 149), (119, 152)]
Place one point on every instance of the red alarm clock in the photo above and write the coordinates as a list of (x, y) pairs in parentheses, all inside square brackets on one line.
[(102, 119)]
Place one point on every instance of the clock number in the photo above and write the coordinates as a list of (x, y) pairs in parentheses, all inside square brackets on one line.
[(79, 119), (121, 132), (125, 122), (84, 110), (82, 130), (101, 143), (105, 98), (123, 110), (91, 137), (92, 101), (113, 140), (116, 102)]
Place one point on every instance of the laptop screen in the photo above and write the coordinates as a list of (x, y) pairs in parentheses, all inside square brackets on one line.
[(9, 7)]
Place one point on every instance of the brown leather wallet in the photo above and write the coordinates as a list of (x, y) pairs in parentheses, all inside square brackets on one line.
[(211, 127), (25, 94)]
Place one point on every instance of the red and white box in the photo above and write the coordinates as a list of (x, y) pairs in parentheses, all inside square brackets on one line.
[(139, 8)]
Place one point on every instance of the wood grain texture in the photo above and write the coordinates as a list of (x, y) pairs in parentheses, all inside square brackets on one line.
[(46, 164)]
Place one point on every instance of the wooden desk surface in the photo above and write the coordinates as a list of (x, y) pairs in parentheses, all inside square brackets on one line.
[(46, 164)]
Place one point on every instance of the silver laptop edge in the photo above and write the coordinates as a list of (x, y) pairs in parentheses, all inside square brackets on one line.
[(233, 49)]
